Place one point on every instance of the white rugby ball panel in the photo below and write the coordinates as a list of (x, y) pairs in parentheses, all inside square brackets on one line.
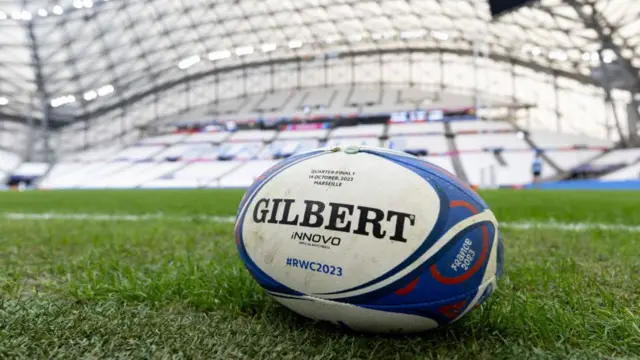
[(356, 317), (323, 194)]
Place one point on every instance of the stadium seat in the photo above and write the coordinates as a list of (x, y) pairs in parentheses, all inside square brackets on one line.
[(419, 145), (252, 135), (303, 134), (139, 153), (59, 171), (373, 130), (184, 152), (631, 172), (30, 169), (569, 159), (8, 161), (194, 175), (96, 154), (480, 126), (134, 175), (618, 157), (163, 140), (353, 141), (207, 137), (246, 174), (490, 141), (274, 101), (318, 98), (485, 169), (86, 174), (553, 140), (364, 96), (416, 128), (283, 148), (239, 151)]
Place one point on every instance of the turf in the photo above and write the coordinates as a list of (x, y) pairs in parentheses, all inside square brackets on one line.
[(170, 288)]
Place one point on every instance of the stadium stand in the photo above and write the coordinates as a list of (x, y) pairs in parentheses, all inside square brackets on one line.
[(619, 157), (194, 175), (419, 145), (163, 140), (416, 129), (215, 153), (552, 140), (8, 161), (139, 152), (303, 134), (490, 153), (360, 131), (627, 173), (252, 135), (208, 137), (490, 142), (246, 174), (28, 172)]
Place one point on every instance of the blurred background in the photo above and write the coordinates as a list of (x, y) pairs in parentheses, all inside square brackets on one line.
[(194, 93)]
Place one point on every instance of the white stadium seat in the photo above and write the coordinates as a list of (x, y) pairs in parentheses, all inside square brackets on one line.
[(416, 128), (246, 174), (58, 171), (353, 141), (137, 153), (284, 148), (252, 135), (430, 143), (184, 152), (617, 157), (374, 130), (627, 173), (320, 97), (134, 175), (98, 154), (303, 134), (480, 126), (198, 174), (569, 159), (8, 161), (549, 139), (364, 96), (31, 169), (484, 168), (242, 150), (87, 174), (207, 137), (490, 141), (274, 101), (163, 140)]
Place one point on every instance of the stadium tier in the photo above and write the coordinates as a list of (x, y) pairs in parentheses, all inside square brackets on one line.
[(485, 153)]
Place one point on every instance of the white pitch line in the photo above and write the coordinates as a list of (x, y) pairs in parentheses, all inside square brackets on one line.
[(113, 217), (517, 225), (575, 226)]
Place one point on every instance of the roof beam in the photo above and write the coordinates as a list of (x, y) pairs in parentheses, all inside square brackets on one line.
[(41, 92), (595, 21), (294, 59)]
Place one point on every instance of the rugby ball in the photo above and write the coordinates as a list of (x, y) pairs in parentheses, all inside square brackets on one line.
[(371, 239)]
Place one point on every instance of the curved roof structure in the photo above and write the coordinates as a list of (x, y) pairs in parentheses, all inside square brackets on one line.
[(68, 60)]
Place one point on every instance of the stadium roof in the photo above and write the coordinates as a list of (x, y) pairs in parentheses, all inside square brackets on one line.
[(85, 57)]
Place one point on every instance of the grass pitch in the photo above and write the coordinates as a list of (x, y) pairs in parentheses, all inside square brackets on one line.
[(172, 286)]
